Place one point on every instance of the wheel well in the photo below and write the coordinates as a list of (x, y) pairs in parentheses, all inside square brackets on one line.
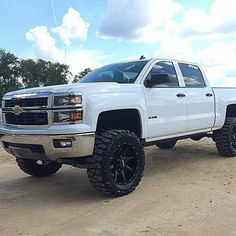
[(128, 119), (231, 111)]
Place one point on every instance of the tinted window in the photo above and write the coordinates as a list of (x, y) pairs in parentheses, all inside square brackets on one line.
[(193, 77), (122, 73), (165, 67)]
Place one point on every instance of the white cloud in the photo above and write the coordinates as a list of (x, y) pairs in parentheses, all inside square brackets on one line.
[(44, 46), (77, 59), (80, 59), (73, 27), (132, 19), (146, 21), (219, 61), (218, 53), (220, 20), (207, 38), (218, 30), (44, 43), (189, 34)]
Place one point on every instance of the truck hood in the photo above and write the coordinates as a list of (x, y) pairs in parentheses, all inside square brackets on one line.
[(84, 88)]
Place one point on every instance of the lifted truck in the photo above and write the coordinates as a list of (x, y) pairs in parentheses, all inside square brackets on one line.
[(103, 122)]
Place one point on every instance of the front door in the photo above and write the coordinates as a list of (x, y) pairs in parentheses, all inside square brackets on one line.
[(166, 104)]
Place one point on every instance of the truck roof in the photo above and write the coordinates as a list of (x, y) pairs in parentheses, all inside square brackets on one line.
[(162, 59)]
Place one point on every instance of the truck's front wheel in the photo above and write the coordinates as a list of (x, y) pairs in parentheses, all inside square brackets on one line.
[(38, 168), (117, 164), (225, 138)]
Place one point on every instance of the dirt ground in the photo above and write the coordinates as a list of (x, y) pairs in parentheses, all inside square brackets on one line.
[(189, 190)]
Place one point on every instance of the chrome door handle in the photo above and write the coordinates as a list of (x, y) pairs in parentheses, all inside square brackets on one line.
[(180, 95)]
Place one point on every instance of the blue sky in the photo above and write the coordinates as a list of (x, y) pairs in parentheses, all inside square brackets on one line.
[(20, 16), (104, 31)]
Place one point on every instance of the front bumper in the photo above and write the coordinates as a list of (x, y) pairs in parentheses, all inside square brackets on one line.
[(41, 147)]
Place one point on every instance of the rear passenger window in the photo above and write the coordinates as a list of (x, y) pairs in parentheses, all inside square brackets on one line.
[(165, 67), (193, 77)]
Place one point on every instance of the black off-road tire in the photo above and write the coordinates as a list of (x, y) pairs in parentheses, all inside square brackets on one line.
[(166, 144), (225, 138), (105, 165), (31, 167)]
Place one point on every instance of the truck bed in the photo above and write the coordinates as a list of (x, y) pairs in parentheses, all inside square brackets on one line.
[(224, 96)]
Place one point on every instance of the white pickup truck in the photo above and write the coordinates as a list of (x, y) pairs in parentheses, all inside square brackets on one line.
[(103, 122)]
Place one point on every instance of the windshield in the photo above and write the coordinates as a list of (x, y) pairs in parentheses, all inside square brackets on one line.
[(122, 73)]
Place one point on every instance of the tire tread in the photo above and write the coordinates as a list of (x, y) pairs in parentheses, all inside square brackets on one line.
[(29, 167), (96, 171), (222, 138)]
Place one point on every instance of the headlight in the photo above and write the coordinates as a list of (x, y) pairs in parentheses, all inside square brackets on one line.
[(67, 108), (67, 100), (68, 116)]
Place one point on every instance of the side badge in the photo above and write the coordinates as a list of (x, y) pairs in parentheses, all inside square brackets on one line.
[(152, 117)]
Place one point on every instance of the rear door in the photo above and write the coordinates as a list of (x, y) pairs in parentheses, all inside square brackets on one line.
[(201, 111), (166, 104)]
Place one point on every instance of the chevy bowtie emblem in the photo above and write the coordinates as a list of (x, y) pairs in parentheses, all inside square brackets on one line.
[(17, 110)]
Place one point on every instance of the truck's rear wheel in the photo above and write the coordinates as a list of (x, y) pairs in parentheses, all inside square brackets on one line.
[(117, 164), (166, 144), (38, 168), (225, 138)]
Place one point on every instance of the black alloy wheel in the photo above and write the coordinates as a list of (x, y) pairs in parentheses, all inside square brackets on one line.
[(117, 164), (124, 164)]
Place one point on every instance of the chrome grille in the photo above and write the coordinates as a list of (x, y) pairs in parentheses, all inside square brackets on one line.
[(27, 102), (27, 118), (26, 111)]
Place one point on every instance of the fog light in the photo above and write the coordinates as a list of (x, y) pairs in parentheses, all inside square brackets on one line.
[(62, 143)]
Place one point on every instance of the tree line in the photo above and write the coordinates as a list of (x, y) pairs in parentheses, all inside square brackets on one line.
[(17, 73)]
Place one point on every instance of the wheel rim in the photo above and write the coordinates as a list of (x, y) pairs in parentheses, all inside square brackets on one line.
[(124, 164), (233, 138)]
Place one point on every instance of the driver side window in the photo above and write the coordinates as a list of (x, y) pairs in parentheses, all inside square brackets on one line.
[(165, 67)]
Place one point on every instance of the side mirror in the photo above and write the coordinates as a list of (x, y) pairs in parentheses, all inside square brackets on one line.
[(158, 79)]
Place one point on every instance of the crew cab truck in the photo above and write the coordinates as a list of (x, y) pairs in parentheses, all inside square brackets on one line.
[(104, 122)]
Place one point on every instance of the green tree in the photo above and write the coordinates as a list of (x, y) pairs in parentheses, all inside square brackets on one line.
[(81, 75), (9, 72), (30, 73), (56, 74), (43, 73)]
